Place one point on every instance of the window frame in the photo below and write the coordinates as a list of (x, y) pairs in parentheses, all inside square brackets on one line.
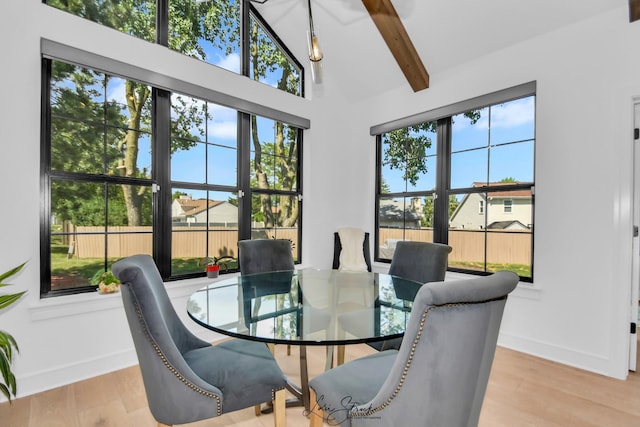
[(247, 11), (507, 206), (443, 172), (162, 86)]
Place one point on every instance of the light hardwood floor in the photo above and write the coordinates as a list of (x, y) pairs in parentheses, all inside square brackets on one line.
[(523, 391)]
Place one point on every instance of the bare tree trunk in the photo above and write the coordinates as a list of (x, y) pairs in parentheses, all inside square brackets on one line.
[(137, 96)]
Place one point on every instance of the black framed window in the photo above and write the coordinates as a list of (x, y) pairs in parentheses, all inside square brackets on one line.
[(462, 175), (131, 166), (229, 34)]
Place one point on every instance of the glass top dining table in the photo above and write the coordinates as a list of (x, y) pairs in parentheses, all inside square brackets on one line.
[(306, 307)]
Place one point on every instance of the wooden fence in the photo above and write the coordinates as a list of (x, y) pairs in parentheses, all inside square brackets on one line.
[(186, 242), (503, 247)]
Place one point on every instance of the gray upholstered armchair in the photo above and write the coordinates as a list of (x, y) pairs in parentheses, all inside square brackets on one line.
[(264, 255), (187, 379), (438, 377), (421, 262)]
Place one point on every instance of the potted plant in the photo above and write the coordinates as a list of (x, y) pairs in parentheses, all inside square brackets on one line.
[(7, 342), (212, 268), (105, 280)]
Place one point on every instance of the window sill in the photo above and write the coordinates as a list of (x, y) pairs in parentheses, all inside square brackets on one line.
[(72, 305), (523, 290)]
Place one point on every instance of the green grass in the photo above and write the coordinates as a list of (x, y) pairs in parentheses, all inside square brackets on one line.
[(63, 266), (80, 270), (521, 270)]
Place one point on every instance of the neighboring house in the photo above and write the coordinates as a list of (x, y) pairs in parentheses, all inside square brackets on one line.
[(394, 214), (502, 210), (187, 210)]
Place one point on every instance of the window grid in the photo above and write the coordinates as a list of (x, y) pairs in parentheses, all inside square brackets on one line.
[(480, 154)]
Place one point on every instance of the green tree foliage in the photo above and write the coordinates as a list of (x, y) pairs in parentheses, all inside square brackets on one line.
[(384, 187), (280, 155), (427, 217), (406, 148), (79, 145)]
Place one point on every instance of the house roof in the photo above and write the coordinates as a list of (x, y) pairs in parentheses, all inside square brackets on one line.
[(506, 193), (194, 207), (394, 210), (503, 225)]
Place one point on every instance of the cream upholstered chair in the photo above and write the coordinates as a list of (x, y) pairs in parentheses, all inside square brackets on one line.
[(438, 377), (338, 247), (360, 261), (187, 379)]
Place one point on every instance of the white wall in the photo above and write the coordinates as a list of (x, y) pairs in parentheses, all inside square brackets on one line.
[(576, 311), (65, 339)]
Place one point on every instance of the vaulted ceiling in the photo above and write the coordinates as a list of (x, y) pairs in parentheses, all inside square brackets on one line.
[(356, 35)]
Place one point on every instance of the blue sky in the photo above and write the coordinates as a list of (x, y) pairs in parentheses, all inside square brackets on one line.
[(473, 143)]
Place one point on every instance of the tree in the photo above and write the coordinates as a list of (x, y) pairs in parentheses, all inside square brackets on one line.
[(427, 217), (384, 187), (279, 156), (81, 94), (191, 26), (406, 148)]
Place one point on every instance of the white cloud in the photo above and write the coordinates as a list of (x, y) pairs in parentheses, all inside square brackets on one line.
[(513, 114), (231, 62), (223, 130), (116, 90), (506, 116)]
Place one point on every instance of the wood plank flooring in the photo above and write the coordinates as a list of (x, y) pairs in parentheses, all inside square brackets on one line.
[(523, 391)]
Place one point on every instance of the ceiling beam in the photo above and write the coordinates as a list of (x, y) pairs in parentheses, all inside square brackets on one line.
[(386, 18), (634, 10)]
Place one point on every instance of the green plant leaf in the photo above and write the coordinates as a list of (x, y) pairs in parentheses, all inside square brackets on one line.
[(5, 391), (7, 300), (10, 273), (7, 342), (9, 380), (8, 385)]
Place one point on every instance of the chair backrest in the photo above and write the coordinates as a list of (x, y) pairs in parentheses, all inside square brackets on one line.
[(337, 249), (420, 261), (160, 339), (264, 255), (440, 374)]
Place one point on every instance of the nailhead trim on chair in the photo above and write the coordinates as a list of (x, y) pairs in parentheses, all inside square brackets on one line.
[(274, 391), (171, 368), (414, 345)]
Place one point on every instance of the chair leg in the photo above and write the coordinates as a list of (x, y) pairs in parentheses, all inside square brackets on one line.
[(288, 349), (164, 425), (258, 410), (316, 416), (279, 407), (340, 357)]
